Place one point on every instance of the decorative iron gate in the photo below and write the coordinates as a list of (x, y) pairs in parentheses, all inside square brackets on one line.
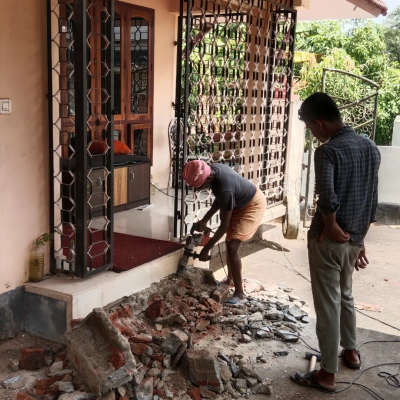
[(80, 113), (357, 99), (234, 75)]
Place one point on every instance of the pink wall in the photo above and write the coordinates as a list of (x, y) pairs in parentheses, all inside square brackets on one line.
[(24, 185)]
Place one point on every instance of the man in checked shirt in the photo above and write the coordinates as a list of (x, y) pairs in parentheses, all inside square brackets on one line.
[(346, 179)]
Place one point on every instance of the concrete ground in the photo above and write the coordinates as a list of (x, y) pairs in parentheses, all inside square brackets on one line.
[(280, 262)]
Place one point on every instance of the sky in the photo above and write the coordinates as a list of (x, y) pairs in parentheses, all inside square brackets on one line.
[(391, 4)]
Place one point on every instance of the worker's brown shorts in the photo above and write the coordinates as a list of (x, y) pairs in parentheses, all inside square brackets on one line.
[(246, 220)]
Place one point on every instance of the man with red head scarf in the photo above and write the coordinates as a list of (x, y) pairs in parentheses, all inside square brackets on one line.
[(241, 205)]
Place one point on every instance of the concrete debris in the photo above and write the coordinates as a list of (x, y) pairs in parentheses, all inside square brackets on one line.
[(204, 370), (289, 318), (14, 382), (133, 349), (296, 312), (246, 338), (274, 315), (13, 365), (264, 388), (100, 353), (77, 396), (240, 384), (63, 387), (257, 316), (145, 390), (287, 336), (55, 368)]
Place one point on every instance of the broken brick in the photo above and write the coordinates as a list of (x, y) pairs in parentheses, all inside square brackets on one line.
[(117, 358), (139, 348), (125, 312), (42, 386), (202, 325), (195, 393), (23, 396), (142, 338), (32, 358), (126, 331), (155, 309)]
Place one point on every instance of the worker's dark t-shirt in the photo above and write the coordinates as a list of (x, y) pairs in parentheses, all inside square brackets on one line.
[(231, 191)]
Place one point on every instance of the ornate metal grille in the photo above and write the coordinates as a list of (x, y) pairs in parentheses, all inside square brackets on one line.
[(80, 105), (235, 73)]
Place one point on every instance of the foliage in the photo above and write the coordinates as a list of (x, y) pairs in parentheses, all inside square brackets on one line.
[(311, 75), (392, 35), (42, 240), (320, 37), (366, 45), (389, 105), (360, 48)]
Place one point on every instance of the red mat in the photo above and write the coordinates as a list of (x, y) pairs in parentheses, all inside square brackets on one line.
[(129, 251), (132, 251)]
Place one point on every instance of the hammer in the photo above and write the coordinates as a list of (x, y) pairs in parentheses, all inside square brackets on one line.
[(313, 358)]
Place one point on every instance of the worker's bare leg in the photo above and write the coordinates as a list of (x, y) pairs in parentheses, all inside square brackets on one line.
[(235, 266), (229, 279)]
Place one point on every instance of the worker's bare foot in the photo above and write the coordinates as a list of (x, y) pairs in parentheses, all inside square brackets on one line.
[(227, 282), (239, 295)]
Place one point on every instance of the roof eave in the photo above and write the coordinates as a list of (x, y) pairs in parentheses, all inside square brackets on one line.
[(375, 7)]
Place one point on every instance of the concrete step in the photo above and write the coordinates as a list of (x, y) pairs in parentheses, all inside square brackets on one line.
[(52, 304)]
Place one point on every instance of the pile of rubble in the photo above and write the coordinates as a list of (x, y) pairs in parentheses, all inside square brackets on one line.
[(162, 343)]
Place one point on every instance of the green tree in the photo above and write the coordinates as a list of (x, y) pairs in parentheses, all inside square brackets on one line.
[(392, 34), (363, 49), (366, 45), (320, 37)]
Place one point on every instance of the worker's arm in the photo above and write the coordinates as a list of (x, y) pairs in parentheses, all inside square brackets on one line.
[(328, 202), (201, 225), (225, 221)]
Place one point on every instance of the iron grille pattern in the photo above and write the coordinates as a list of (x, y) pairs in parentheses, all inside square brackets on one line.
[(235, 72), (80, 105)]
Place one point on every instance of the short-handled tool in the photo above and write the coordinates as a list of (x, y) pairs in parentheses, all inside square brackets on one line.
[(193, 240), (312, 358)]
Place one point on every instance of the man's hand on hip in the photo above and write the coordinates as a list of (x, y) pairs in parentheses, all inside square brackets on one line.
[(362, 260), (335, 233)]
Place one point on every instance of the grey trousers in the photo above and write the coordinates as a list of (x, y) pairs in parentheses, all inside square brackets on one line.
[(331, 268)]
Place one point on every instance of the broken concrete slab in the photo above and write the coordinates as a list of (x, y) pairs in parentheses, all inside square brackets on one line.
[(203, 369), (92, 347)]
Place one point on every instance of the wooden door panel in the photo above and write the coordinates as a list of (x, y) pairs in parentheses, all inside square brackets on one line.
[(120, 186)]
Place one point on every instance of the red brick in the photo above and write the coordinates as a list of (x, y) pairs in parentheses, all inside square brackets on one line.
[(32, 358), (142, 338), (157, 357), (117, 358), (125, 312), (155, 309), (42, 386), (195, 393), (23, 396), (139, 348), (126, 331)]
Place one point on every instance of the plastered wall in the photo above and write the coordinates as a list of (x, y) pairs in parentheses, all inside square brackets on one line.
[(24, 185)]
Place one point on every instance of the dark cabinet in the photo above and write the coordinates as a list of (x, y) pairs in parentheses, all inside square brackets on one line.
[(131, 186)]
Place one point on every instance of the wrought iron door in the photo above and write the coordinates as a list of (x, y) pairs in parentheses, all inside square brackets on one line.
[(234, 75), (80, 60)]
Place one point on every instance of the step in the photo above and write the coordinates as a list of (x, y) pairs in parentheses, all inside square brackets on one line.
[(53, 303)]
